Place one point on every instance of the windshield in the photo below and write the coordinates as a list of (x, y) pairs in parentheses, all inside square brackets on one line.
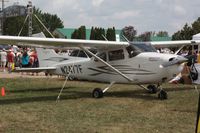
[(144, 47), (137, 48)]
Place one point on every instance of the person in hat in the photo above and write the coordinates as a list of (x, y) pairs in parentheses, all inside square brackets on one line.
[(3, 55)]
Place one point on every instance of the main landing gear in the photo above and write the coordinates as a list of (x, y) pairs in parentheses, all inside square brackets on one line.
[(152, 89), (98, 93)]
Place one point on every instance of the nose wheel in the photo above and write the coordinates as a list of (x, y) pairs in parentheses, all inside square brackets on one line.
[(152, 89)]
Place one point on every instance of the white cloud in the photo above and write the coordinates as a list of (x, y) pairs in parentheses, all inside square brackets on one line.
[(179, 10), (97, 3), (125, 14), (159, 1)]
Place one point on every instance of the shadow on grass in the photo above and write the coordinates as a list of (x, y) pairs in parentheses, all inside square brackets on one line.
[(39, 90), (70, 94), (45, 98), (182, 88), (135, 94)]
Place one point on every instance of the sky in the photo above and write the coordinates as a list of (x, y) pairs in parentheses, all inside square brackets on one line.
[(144, 15)]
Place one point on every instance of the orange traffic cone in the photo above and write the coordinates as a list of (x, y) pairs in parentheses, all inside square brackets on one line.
[(3, 91)]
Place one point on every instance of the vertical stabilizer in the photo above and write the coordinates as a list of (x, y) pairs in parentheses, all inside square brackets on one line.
[(48, 57)]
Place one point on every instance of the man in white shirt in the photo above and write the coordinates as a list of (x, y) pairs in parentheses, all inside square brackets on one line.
[(3, 59)]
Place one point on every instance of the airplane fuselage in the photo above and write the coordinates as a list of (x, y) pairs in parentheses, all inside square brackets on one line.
[(144, 68)]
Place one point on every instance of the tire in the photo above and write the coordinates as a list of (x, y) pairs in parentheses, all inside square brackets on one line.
[(70, 78), (162, 95), (97, 93), (194, 75), (152, 89)]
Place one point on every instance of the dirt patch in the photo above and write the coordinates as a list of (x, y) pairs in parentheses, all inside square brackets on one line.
[(24, 75)]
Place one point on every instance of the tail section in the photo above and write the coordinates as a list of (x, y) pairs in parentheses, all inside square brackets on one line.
[(48, 57)]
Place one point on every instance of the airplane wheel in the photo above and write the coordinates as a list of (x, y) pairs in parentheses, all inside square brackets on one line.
[(152, 89), (97, 93), (162, 95), (70, 78)]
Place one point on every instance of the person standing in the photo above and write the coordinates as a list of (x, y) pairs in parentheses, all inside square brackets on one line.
[(25, 60), (34, 58), (3, 59), (10, 57)]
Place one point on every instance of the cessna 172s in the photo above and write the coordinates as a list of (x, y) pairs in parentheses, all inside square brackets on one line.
[(115, 62)]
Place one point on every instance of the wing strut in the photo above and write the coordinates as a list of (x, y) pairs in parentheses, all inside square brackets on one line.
[(107, 64)]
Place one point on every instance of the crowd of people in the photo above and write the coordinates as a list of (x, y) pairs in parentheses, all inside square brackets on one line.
[(18, 57)]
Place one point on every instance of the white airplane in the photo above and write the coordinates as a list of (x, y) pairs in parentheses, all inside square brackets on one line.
[(115, 62)]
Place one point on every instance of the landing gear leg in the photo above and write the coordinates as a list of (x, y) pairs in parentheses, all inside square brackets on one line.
[(152, 89), (98, 92), (162, 95)]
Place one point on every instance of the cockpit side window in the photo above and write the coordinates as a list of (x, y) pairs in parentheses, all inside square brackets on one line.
[(102, 56), (74, 53), (132, 52), (82, 54), (116, 55)]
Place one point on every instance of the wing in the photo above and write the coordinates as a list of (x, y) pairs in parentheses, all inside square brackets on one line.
[(167, 44), (57, 42), (38, 69)]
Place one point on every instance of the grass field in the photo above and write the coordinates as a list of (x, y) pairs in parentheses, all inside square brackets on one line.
[(30, 106)]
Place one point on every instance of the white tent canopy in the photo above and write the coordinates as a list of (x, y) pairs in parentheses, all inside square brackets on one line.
[(196, 37)]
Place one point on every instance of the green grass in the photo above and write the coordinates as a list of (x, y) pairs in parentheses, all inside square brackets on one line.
[(30, 106)]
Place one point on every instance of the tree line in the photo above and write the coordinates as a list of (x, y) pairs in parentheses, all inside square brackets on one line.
[(96, 33), (130, 33), (13, 25), (187, 31)]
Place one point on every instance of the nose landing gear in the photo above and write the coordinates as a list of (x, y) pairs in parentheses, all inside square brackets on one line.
[(98, 92), (152, 89)]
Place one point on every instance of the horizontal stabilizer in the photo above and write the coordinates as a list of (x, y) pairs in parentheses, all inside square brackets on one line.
[(38, 69)]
